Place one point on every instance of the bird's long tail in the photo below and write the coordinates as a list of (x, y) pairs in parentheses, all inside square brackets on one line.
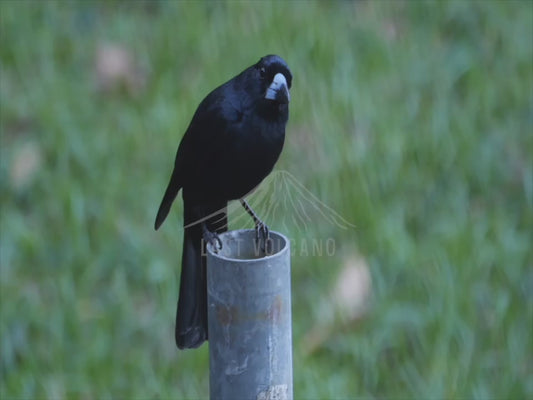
[(191, 315)]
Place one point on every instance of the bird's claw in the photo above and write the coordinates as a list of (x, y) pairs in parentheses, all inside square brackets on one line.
[(262, 234), (213, 240)]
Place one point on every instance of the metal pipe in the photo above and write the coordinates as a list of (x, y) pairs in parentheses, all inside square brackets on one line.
[(249, 318)]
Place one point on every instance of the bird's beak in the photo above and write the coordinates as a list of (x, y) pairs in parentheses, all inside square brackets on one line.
[(278, 90)]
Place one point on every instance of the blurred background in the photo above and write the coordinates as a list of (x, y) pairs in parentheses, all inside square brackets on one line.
[(410, 120)]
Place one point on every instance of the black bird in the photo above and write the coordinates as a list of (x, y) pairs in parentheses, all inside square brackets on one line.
[(232, 143)]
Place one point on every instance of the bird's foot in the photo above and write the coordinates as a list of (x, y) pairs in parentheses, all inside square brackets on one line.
[(212, 238), (262, 233), (262, 236)]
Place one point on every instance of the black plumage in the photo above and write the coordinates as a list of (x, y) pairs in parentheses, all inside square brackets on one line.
[(232, 143)]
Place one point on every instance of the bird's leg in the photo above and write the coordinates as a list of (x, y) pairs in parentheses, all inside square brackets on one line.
[(261, 229), (211, 238)]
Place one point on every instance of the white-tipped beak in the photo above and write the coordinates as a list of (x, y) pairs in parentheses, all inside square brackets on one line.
[(278, 89)]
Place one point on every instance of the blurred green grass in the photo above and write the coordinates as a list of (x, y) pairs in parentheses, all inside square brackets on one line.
[(412, 120)]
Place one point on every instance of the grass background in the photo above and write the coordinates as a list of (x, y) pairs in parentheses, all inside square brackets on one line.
[(413, 120)]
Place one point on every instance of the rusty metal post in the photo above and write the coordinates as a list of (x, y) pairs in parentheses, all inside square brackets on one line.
[(249, 318)]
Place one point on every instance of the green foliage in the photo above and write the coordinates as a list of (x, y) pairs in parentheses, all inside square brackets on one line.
[(412, 120)]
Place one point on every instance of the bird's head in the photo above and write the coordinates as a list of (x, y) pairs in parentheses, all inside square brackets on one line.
[(275, 79)]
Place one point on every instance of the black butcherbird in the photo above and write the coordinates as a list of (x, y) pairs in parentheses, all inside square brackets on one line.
[(232, 143)]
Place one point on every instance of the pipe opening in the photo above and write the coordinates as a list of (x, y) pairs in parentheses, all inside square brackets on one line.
[(241, 245)]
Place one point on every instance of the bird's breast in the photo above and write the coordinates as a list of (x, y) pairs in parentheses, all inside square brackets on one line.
[(244, 157), (247, 161)]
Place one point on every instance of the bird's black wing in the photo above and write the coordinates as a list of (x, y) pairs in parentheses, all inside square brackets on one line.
[(202, 146)]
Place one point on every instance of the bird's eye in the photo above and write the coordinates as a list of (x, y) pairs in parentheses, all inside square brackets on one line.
[(262, 72)]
